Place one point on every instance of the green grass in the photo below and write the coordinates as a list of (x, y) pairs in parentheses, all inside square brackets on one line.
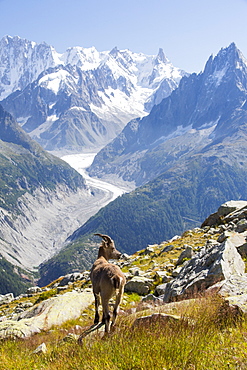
[(204, 339)]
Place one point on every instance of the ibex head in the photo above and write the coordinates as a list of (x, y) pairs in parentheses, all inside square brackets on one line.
[(108, 249)]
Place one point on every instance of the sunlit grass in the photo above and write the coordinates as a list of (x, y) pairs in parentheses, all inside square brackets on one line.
[(205, 337)]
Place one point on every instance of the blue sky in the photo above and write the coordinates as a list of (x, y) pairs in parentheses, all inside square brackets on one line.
[(189, 31)]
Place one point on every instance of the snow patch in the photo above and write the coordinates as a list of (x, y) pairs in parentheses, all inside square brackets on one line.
[(44, 126), (53, 81), (217, 76), (22, 120), (78, 108)]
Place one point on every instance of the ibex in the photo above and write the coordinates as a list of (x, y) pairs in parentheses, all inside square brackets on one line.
[(107, 280)]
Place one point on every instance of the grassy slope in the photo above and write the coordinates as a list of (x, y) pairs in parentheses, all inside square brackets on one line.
[(13, 279), (207, 337), (203, 345)]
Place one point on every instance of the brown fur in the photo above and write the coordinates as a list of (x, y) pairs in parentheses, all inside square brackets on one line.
[(107, 280)]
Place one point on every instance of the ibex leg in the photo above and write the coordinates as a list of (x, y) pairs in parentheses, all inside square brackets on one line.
[(97, 302), (117, 303)]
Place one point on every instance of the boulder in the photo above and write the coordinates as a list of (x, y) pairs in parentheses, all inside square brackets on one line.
[(168, 248), (34, 290), (162, 276), (40, 349), (212, 264), (223, 211), (6, 298), (135, 271), (241, 226), (139, 284), (149, 250), (71, 278), (176, 271), (231, 206), (233, 290), (235, 285), (151, 298), (155, 319), (51, 312), (186, 254), (160, 289)]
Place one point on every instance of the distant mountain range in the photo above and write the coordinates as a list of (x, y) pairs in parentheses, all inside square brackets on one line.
[(82, 99), (205, 116)]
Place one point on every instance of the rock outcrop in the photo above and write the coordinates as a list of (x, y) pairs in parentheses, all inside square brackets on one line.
[(51, 312), (219, 265), (212, 264)]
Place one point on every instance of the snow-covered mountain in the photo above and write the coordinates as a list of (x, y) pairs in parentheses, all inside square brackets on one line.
[(206, 115), (82, 98), (21, 61)]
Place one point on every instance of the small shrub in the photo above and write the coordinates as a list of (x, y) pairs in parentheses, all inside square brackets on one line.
[(45, 295)]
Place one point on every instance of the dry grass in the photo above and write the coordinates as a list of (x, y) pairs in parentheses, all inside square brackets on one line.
[(207, 337)]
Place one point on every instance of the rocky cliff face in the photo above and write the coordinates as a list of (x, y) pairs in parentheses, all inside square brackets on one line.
[(21, 61)]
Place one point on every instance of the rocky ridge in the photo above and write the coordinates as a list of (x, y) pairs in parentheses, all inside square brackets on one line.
[(203, 261)]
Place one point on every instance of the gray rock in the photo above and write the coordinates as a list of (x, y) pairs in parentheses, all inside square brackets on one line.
[(160, 289), (186, 254), (231, 206), (168, 248), (154, 319), (211, 265), (224, 210), (25, 304), (71, 337), (139, 284), (241, 226), (162, 275), (149, 250), (242, 250), (235, 285), (222, 237), (135, 271), (34, 290), (176, 271), (62, 288), (233, 290), (71, 278), (149, 297), (47, 314), (41, 349), (6, 298)]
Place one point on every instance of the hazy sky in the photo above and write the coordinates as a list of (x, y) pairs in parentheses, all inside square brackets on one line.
[(189, 31)]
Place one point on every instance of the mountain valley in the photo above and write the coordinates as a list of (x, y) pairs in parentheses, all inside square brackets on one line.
[(177, 141)]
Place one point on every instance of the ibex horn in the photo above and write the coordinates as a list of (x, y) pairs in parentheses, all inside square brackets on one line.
[(105, 237)]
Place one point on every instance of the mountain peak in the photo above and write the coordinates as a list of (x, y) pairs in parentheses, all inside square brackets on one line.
[(161, 56), (114, 52), (227, 58)]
